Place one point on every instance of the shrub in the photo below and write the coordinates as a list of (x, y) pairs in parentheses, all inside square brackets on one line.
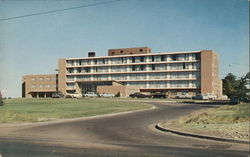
[(118, 94), (1, 101)]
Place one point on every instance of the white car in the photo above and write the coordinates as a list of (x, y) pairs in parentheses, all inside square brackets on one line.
[(73, 95), (184, 96), (107, 95), (90, 94)]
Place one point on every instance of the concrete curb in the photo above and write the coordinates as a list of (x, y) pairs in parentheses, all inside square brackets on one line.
[(200, 136)]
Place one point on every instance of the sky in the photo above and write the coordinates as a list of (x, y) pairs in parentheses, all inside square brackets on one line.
[(33, 45)]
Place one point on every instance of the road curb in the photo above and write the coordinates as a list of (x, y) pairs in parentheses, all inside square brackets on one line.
[(200, 136)]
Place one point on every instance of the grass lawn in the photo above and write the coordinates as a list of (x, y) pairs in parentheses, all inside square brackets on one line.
[(226, 121), (46, 109)]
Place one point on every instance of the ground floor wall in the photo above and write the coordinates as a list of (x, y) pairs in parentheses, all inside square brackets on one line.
[(123, 91), (171, 93), (40, 95)]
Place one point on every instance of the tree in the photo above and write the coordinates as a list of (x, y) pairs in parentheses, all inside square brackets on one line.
[(1, 99), (229, 85), (118, 94), (236, 88), (241, 88)]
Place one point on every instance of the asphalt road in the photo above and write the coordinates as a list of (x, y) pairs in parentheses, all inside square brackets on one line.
[(124, 135)]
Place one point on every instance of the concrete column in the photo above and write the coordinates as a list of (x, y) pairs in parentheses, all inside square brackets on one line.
[(37, 95), (45, 95)]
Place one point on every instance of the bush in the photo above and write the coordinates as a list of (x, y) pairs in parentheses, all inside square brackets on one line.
[(118, 94), (1, 101)]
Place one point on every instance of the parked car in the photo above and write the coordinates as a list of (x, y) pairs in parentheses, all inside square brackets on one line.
[(76, 95), (107, 95), (57, 95), (90, 94), (200, 97), (211, 96), (68, 96), (159, 95), (139, 95), (184, 96)]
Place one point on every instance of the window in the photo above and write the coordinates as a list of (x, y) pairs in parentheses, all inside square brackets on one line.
[(87, 70), (183, 65), (153, 58), (40, 79), (40, 86), (153, 67), (113, 53), (121, 51), (79, 70), (186, 57), (95, 61), (133, 59), (48, 86), (133, 67), (70, 70), (48, 78), (193, 66), (96, 69), (162, 58), (142, 67), (33, 79), (197, 56), (174, 57), (33, 86), (142, 59), (141, 50)]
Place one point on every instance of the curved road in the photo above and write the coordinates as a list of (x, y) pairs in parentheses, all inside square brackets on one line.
[(122, 135)]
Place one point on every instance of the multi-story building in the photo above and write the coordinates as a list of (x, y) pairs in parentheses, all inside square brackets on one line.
[(39, 85), (137, 69)]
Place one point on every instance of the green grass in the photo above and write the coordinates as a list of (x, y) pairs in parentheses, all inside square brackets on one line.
[(46, 109)]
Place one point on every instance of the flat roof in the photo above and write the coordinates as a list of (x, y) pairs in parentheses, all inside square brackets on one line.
[(131, 55), (40, 75)]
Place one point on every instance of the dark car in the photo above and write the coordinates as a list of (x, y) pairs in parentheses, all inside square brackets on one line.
[(159, 95), (139, 95), (197, 97)]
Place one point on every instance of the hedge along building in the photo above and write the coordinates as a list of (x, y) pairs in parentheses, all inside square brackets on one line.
[(128, 70)]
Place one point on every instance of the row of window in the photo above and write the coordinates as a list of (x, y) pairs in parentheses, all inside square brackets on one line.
[(139, 59), (43, 78), (149, 76), (158, 84), (151, 67), (166, 84), (33, 86)]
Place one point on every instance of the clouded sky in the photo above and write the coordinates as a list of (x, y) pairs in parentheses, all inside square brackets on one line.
[(33, 45)]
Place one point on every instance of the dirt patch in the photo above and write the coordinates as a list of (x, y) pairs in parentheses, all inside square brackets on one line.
[(227, 122)]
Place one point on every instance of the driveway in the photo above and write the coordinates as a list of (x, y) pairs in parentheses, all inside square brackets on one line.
[(122, 135)]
